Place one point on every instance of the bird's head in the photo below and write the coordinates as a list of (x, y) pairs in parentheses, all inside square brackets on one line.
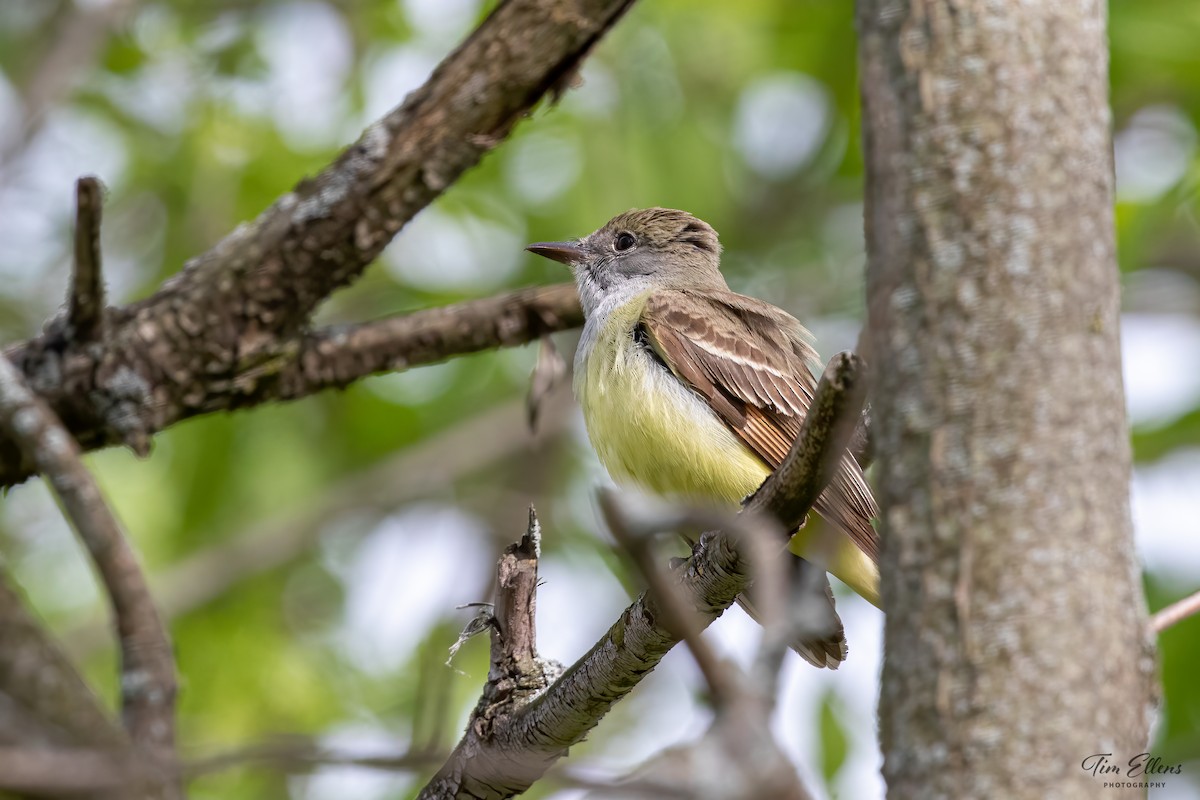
[(643, 248)]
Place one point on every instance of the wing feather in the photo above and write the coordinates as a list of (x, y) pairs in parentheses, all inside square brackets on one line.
[(751, 362)]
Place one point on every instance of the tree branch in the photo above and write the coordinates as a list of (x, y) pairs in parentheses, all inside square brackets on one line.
[(337, 356), (43, 701), (147, 662), (675, 611), (829, 426), (420, 471), (516, 675), (85, 313), (214, 336), (67, 771), (1175, 613), (292, 755), (506, 756)]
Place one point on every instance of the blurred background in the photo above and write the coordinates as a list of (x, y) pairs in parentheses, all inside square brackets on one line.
[(311, 555)]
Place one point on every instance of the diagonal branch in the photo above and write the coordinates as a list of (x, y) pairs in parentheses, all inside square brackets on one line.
[(517, 745), (1175, 613), (829, 426), (43, 700), (675, 612), (204, 340), (147, 662)]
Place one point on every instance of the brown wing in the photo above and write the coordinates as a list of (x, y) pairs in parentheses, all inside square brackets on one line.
[(750, 361)]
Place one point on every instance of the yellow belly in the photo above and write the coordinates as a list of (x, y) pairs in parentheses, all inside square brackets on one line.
[(651, 431)]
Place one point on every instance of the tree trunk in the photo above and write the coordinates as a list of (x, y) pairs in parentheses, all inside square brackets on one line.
[(1016, 638)]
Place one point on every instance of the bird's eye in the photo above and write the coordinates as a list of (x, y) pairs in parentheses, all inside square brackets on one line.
[(624, 241)]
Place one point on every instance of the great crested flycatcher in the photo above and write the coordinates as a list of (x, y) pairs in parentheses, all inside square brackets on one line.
[(690, 390)]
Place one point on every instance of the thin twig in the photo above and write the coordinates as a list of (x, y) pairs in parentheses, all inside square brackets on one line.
[(561, 716), (862, 446), (1175, 613), (147, 662), (86, 303), (548, 372), (514, 640), (302, 755), (676, 615), (517, 674), (337, 356), (787, 606), (807, 610)]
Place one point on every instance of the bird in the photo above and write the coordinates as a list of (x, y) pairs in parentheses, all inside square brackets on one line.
[(694, 392)]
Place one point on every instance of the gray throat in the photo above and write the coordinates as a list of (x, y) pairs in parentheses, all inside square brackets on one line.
[(599, 304)]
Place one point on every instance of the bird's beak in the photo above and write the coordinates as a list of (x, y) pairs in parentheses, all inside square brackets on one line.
[(562, 252)]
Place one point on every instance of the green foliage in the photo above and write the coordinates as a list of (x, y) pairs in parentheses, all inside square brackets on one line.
[(205, 112), (834, 739)]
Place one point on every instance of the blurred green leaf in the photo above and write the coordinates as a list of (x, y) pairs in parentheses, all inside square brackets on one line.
[(835, 741)]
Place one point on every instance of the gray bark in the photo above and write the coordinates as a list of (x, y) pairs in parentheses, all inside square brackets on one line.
[(1016, 637)]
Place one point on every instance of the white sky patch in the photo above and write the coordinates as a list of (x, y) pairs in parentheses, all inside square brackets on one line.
[(339, 782), (441, 19), (1160, 354), (70, 143), (158, 97), (598, 94), (53, 567), (391, 74), (308, 50), (158, 94), (219, 33), (415, 567), (37, 200), (438, 251), (1153, 153), (569, 794), (412, 387), (576, 604), (156, 29), (780, 123), (540, 167), (1166, 514)]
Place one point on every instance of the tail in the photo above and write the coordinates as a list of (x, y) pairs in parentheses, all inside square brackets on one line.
[(822, 642), (848, 504)]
